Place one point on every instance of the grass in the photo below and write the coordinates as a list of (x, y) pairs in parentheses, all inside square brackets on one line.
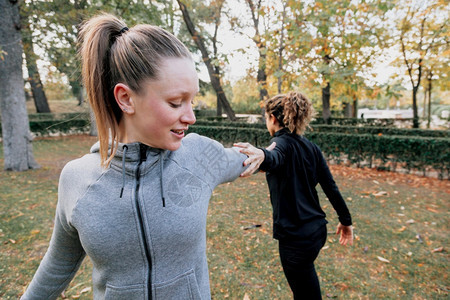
[(401, 222)]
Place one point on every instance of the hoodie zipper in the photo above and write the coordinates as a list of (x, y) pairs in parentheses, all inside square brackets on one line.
[(143, 157)]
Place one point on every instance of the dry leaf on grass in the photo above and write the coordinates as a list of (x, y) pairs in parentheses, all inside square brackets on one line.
[(383, 259), (380, 193), (440, 249)]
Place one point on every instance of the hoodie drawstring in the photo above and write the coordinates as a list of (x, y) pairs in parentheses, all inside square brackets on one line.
[(125, 148), (161, 164)]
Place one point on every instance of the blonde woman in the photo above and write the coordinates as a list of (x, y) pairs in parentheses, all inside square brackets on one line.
[(137, 204), (293, 169)]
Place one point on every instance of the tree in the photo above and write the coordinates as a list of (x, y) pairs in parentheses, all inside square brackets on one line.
[(17, 148), (336, 40), (281, 48), (420, 30), (214, 73), (37, 88), (256, 10)]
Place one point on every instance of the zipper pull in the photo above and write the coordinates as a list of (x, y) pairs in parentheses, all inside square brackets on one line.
[(143, 152)]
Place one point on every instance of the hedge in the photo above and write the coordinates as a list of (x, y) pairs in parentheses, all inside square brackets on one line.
[(385, 152), (365, 122), (341, 129), (58, 116), (381, 130), (49, 127)]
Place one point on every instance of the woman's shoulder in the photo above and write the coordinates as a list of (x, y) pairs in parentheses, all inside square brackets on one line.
[(195, 142), (83, 168)]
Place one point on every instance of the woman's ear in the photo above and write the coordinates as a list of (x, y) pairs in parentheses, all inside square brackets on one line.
[(122, 94), (273, 119)]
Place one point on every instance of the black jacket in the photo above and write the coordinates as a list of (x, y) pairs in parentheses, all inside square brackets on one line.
[(293, 169)]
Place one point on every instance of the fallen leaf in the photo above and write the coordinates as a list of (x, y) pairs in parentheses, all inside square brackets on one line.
[(380, 193), (432, 210), (440, 249), (383, 259), (410, 221), (246, 297), (402, 229)]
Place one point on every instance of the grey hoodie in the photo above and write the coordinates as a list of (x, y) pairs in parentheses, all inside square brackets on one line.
[(151, 242)]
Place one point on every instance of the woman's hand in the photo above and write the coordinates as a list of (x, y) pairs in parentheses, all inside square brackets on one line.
[(346, 234), (255, 157)]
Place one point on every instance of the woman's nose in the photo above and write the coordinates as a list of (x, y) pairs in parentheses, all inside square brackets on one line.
[(188, 115)]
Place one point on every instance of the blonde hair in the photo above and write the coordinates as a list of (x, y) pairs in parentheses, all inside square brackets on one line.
[(292, 110), (110, 54)]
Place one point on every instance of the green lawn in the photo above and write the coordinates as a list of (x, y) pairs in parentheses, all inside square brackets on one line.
[(401, 225)]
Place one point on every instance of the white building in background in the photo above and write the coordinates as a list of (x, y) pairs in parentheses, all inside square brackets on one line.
[(366, 113), (437, 122)]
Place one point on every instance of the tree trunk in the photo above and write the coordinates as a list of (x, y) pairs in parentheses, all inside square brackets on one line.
[(430, 75), (262, 77), (93, 131), (415, 113), (37, 88), (281, 48), (326, 113), (425, 94), (355, 107), (348, 110), (213, 75), (17, 147)]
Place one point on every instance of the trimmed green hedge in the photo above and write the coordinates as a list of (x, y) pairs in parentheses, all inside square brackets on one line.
[(375, 130), (49, 127), (358, 121), (71, 126), (229, 135), (58, 116), (381, 130), (385, 152)]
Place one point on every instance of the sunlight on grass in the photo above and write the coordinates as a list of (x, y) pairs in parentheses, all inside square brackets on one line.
[(401, 227)]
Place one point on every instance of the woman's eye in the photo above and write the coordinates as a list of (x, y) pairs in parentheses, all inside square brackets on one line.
[(175, 105)]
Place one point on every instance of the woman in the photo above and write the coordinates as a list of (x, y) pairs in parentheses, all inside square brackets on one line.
[(137, 204), (293, 169)]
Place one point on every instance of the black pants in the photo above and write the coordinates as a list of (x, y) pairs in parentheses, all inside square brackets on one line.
[(297, 259)]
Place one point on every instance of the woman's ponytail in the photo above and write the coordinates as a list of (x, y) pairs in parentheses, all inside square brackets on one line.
[(96, 38)]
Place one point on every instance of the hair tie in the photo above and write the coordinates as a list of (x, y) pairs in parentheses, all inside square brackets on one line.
[(124, 29)]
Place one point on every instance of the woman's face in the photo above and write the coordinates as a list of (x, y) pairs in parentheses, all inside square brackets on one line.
[(163, 110)]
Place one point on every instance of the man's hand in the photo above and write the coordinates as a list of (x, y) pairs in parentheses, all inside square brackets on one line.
[(346, 234)]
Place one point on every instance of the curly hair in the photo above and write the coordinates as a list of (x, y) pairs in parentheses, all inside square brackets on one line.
[(292, 110)]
